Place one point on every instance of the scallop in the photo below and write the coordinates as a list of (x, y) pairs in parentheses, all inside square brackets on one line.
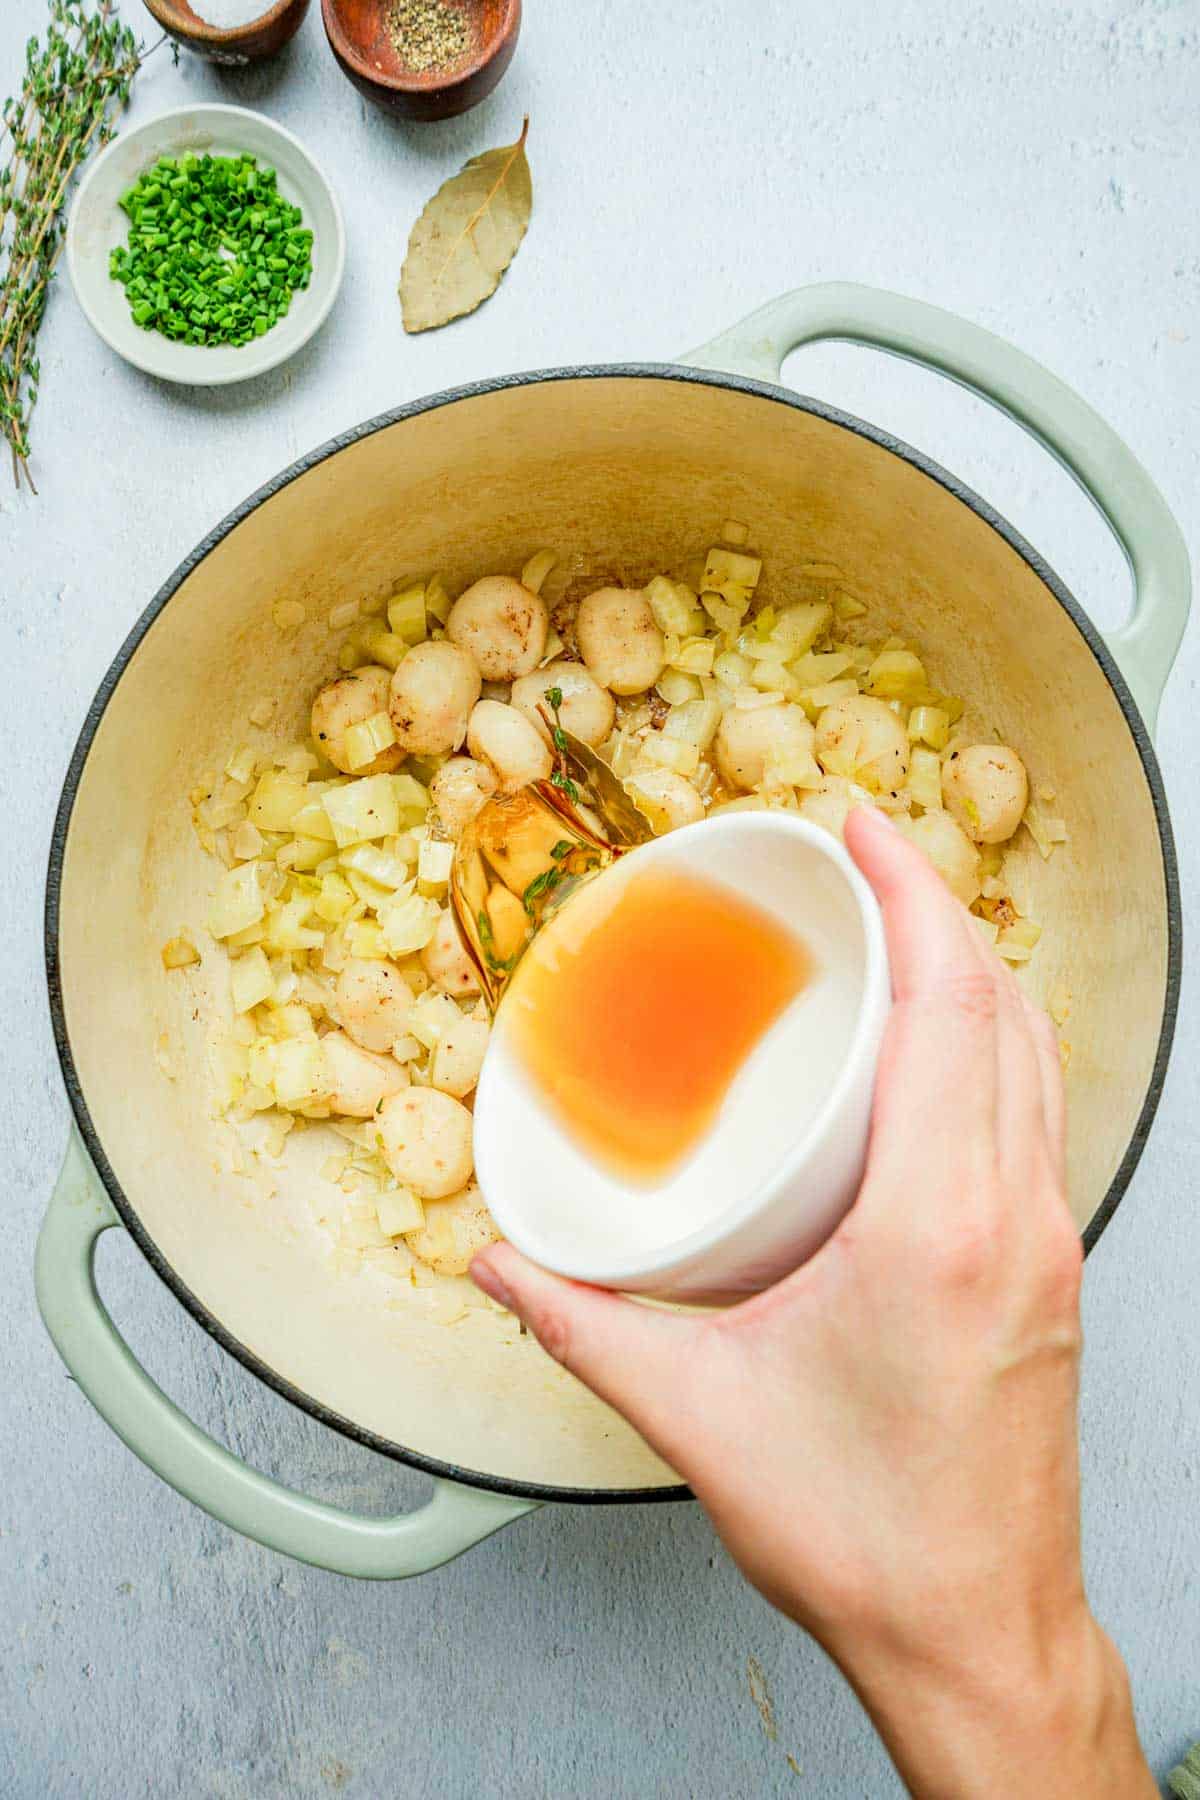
[(426, 1141), (863, 738), (830, 805), (502, 625), (986, 789), (445, 960), (950, 851), (458, 790), (458, 1057), (503, 737), (745, 739), (455, 1230), (359, 1082), (352, 700), (587, 709), (432, 693), (667, 800), (619, 639), (373, 1002)]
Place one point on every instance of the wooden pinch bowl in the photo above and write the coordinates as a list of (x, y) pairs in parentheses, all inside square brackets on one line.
[(240, 44), (358, 36)]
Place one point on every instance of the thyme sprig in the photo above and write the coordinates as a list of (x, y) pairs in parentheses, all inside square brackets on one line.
[(559, 777), (76, 79)]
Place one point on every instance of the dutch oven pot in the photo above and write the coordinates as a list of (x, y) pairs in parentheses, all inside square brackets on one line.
[(625, 470)]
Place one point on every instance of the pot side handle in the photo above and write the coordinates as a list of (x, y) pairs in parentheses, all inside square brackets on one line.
[(1106, 469), (194, 1464)]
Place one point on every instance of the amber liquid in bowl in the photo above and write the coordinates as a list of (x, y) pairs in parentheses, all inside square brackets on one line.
[(634, 1017)]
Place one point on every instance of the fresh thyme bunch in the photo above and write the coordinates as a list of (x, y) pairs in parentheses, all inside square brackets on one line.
[(77, 78)]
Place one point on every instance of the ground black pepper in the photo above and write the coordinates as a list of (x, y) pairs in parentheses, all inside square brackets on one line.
[(429, 34)]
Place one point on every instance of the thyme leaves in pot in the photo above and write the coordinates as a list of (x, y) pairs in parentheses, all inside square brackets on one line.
[(560, 777), (77, 78)]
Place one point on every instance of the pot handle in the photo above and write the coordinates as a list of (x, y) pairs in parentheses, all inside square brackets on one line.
[(194, 1464), (1106, 469)]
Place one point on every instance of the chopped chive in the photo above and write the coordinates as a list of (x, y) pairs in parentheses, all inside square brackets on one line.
[(204, 265)]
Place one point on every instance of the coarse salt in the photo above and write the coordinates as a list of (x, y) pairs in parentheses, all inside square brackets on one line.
[(228, 15)]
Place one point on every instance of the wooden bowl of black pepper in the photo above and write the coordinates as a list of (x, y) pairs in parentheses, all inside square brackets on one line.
[(423, 59)]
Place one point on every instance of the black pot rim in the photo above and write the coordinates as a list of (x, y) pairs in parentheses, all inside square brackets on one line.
[(623, 371)]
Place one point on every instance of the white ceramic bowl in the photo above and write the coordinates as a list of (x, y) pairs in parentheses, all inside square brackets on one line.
[(771, 1178), (97, 224)]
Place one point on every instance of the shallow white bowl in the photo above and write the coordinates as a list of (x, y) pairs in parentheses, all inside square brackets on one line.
[(97, 224)]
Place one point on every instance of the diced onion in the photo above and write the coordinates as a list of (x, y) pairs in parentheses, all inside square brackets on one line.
[(299, 1077), (732, 668), (818, 698), (694, 656), (386, 868), (240, 766), (798, 629), (277, 799), (896, 674), (408, 924), (367, 942), (437, 600), (817, 670), (239, 901), (693, 722), (1045, 832), (399, 1210), (434, 862), (925, 778), (288, 615), (731, 573), (406, 613), (179, 952), (773, 678), (751, 699), (670, 753), (433, 1015), (246, 841), (372, 643), (793, 768), (363, 809), (929, 725), (675, 687), (250, 980), (536, 570), (671, 604), (365, 741), (411, 797)]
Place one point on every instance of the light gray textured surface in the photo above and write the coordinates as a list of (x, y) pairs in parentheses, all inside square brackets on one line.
[(1031, 165)]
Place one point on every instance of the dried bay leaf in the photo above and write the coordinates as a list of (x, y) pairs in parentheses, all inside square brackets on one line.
[(466, 237)]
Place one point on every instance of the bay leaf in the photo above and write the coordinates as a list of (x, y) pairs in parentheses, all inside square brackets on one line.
[(466, 237)]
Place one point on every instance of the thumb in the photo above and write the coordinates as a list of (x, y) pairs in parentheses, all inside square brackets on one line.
[(627, 1353)]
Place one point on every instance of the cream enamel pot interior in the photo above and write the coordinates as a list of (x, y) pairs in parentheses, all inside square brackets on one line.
[(624, 470)]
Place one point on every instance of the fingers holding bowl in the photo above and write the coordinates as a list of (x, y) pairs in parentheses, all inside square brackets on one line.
[(968, 1092)]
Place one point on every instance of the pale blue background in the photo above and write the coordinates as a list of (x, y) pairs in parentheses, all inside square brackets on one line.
[(1033, 166)]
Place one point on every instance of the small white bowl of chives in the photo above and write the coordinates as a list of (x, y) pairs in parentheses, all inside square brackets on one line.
[(277, 286)]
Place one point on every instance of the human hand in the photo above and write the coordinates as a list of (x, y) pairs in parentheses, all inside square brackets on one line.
[(886, 1440)]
